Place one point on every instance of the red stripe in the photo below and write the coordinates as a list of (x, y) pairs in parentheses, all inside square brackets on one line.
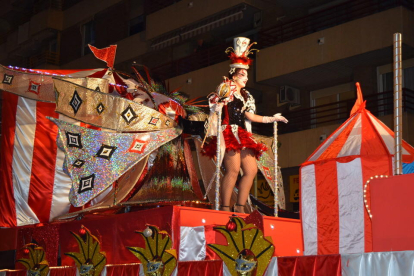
[(327, 207), (7, 203), (375, 160), (43, 162)]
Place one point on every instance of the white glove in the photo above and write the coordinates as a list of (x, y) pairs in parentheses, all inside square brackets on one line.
[(275, 118)]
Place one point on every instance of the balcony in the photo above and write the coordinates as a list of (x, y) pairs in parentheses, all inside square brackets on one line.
[(47, 4), (342, 13), (46, 57), (380, 104), (345, 12)]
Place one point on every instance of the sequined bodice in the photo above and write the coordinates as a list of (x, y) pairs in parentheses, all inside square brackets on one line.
[(236, 112)]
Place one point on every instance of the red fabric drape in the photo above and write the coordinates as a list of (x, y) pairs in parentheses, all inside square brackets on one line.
[(116, 232), (123, 270), (7, 204), (327, 207), (66, 271), (43, 163), (201, 268), (309, 265)]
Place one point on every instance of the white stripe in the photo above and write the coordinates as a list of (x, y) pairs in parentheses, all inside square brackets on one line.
[(141, 270), (192, 244), (309, 214), (22, 160), (400, 263), (386, 137), (328, 142), (62, 183), (175, 272), (272, 269), (226, 271), (351, 207), (352, 145)]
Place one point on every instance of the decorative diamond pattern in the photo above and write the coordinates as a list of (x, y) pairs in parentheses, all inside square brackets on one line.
[(138, 146), (34, 87), (129, 114), (267, 173), (86, 183), (167, 122), (153, 121), (106, 152), (74, 140), (100, 108), (76, 102), (78, 163), (7, 79)]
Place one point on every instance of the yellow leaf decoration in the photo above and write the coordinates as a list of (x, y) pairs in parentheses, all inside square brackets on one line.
[(89, 261), (247, 250), (157, 258), (36, 264)]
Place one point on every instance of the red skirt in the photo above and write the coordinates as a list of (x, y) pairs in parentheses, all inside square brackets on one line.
[(246, 142)]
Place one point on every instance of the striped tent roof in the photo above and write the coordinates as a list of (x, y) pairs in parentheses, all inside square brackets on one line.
[(361, 135), (334, 219)]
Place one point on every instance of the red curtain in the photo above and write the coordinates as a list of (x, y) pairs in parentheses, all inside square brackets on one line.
[(309, 265), (201, 268)]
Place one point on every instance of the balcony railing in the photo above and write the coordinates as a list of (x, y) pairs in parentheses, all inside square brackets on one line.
[(46, 57), (47, 4), (283, 32), (379, 104), (197, 60), (336, 15)]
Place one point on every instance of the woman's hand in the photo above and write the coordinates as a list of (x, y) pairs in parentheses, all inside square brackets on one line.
[(275, 118), (217, 106)]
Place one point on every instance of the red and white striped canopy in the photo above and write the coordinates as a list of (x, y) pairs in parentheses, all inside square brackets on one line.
[(34, 187), (334, 219)]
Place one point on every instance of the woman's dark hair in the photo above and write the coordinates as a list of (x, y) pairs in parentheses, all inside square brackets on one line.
[(243, 90)]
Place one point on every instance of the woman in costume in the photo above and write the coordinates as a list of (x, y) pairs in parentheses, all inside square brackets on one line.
[(238, 110)]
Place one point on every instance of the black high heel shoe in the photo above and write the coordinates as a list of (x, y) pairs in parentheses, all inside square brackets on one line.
[(238, 205), (223, 206)]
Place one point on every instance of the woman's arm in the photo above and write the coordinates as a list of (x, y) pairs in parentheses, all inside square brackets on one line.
[(265, 119)]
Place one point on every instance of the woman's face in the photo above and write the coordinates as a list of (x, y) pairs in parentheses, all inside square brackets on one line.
[(240, 78)]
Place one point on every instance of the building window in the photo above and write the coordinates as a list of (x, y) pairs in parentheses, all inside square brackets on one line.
[(88, 36), (386, 90), (137, 24)]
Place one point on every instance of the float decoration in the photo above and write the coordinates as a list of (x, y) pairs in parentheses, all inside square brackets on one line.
[(90, 261), (36, 264), (157, 258)]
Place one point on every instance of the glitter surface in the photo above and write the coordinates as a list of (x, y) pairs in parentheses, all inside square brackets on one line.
[(106, 156), (158, 251), (266, 166), (245, 238), (107, 111)]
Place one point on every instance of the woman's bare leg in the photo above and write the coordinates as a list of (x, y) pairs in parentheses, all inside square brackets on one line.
[(249, 167), (231, 163)]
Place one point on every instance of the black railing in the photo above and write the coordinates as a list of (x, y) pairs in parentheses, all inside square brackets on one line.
[(283, 32), (197, 60), (42, 5), (327, 18), (379, 104)]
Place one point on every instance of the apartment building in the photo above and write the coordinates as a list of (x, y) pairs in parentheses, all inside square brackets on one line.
[(311, 54)]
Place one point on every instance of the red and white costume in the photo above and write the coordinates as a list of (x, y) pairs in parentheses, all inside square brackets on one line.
[(235, 127)]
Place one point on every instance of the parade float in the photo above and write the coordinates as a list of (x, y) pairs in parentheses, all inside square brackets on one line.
[(98, 178)]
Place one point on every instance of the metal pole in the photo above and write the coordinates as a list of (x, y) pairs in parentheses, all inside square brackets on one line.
[(218, 163), (397, 103), (275, 193)]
